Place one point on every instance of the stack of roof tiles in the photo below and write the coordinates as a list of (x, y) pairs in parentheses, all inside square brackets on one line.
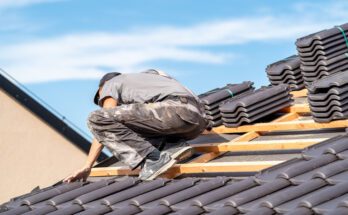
[(286, 71), (328, 98), (314, 183), (261, 103), (214, 98), (323, 53)]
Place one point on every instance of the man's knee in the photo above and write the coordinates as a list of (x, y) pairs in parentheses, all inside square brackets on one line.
[(98, 118), (94, 116)]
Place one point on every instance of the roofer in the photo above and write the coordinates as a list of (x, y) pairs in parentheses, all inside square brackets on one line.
[(144, 121)]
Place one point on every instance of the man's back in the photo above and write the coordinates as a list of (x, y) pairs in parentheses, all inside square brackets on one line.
[(142, 88)]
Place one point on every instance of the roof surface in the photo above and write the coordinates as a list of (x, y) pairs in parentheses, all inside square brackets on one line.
[(316, 181)]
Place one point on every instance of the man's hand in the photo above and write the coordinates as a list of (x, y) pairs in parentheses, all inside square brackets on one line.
[(82, 173), (94, 151)]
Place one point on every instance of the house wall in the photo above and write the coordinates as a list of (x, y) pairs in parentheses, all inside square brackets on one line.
[(31, 152)]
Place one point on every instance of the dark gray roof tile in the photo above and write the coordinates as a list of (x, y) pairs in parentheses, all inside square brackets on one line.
[(102, 209), (325, 195), (255, 114), (339, 211), (292, 193), (216, 105), (343, 202), (329, 205), (105, 191), (227, 113), (259, 95), (257, 203), (289, 63), (335, 80), (286, 71), (225, 92), (341, 177), (60, 189), (18, 210), (129, 210), (42, 210), (295, 195), (318, 149), (270, 174), (192, 192), (300, 210), (227, 210), (324, 35), (261, 211), (224, 192), (323, 45), (343, 155), (287, 74), (323, 172), (271, 110), (257, 192), (174, 187), (299, 169), (134, 191), (158, 210), (333, 93), (192, 210), (71, 195), (332, 105), (73, 209)]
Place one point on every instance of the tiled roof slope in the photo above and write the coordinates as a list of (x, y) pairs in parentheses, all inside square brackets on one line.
[(314, 183)]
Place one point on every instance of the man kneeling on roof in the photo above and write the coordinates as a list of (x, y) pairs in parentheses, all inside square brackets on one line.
[(144, 121)]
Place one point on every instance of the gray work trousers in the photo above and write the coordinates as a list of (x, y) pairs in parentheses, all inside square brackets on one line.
[(125, 129)]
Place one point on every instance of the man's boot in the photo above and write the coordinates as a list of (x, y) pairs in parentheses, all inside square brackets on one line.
[(179, 150), (153, 168)]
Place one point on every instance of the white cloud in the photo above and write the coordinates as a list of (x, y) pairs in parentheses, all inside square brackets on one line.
[(81, 56), (20, 3)]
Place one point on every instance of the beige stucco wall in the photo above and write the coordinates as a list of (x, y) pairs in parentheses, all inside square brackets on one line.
[(31, 152)]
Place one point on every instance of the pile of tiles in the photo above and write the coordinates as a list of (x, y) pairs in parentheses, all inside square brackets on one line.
[(314, 183), (323, 53), (214, 98), (259, 104), (286, 71), (328, 98)]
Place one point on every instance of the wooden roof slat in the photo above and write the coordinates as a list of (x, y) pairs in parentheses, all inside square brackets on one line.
[(245, 166), (299, 93), (257, 145), (172, 173), (282, 126)]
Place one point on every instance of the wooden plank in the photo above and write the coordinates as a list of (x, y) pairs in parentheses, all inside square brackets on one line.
[(247, 166), (257, 145), (173, 173), (111, 171), (299, 93), (283, 126), (297, 108)]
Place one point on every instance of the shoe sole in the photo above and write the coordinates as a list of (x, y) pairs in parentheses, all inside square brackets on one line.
[(161, 170), (183, 153)]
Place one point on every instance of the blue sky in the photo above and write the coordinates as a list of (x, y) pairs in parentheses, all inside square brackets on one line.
[(59, 48)]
